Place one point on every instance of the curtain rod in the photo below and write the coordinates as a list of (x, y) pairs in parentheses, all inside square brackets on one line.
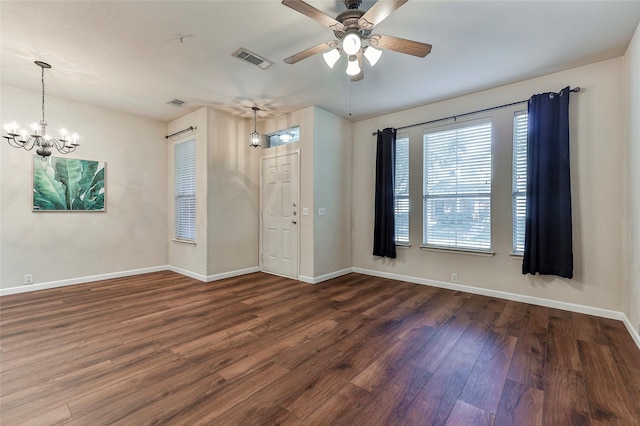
[(188, 129), (454, 117)]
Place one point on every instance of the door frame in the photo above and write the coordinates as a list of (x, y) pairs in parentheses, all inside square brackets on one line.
[(295, 152)]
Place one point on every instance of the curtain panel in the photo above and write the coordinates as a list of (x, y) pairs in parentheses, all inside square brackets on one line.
[(548, 246), (384, 243)]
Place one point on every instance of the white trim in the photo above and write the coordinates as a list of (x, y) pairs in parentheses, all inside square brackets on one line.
[(80, 280), (187, 273), (471, 252), (216, 277), (635, 333), (589, 310), (325, 277), (583, 309), (275, 155), (232, 274)]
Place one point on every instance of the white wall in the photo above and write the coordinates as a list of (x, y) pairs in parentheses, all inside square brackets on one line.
[(56, 246), (597, 159), (631, 291)]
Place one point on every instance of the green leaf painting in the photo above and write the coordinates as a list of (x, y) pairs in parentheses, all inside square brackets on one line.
[(68, 184)]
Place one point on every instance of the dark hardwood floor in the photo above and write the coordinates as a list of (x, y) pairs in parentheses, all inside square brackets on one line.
[(163, 348)]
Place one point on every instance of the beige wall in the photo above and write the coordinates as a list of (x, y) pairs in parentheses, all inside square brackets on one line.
[(54, 246), (332, 191), (597, 159), (227, 197), (189, 258), (631, 291), (233, 197)]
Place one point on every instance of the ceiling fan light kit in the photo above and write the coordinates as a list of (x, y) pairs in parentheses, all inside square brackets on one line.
[(353, 28), (352, 66), (372, 54), (332, 56)]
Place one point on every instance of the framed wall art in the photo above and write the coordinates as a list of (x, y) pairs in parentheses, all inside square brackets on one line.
[(68, 184)]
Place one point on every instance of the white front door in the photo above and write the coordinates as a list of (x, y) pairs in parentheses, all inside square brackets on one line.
[(280, 214)]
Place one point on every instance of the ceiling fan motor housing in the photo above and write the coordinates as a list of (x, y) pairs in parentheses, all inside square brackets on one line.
[(352, 4), (349, 18)]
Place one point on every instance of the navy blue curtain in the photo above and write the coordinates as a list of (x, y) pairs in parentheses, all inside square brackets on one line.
[(548, 247), (384, 243)]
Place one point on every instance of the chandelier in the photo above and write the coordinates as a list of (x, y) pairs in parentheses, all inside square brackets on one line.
[(256, 137), (38, 137)]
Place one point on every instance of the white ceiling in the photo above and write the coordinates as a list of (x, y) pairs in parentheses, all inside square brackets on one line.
[(125, 55)]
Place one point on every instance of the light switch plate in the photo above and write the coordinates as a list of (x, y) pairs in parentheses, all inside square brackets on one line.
[(322, 211), (305, 211)]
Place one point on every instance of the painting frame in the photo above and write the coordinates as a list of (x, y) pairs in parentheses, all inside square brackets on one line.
[(62, 184)]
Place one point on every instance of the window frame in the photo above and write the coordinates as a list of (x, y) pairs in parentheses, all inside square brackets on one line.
[(480, 201), (519, 181), (184, 189), (401, 191)]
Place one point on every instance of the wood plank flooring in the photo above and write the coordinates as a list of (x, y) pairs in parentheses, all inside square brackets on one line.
[(258, 349)]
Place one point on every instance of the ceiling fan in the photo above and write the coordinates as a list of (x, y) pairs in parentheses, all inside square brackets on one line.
[(353, 27)]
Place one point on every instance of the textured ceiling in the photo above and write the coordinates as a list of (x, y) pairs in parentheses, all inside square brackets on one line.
[(125, 55)]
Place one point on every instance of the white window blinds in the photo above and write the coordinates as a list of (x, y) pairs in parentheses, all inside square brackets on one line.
[(519, 179), (457, 186), (401, 189), (185, 190)]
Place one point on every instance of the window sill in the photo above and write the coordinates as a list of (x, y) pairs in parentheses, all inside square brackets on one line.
[(516, 256), (459, 251), (187, 242), (403, 245)]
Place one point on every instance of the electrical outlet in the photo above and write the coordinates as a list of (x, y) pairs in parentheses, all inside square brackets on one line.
[(454, 278), (28, 279)]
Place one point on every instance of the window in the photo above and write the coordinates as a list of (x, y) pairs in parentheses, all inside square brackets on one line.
[(283, 137), (401, 189), (185, 190), (457, 186), (519, 179)]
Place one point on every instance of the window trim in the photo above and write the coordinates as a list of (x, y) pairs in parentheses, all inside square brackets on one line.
[(456, 196), (403, 136), (514, 192), (176, 196)]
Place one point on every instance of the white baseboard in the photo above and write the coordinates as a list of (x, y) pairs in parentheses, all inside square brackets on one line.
[(589, 310), (325, 277), (121, 274), (80, 280), (635, 333), (232, 274), (583, 309)]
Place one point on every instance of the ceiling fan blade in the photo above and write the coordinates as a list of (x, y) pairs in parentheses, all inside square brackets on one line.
[(359, 76), (378, 12), (315, 14), (401, 45), (322, 47)]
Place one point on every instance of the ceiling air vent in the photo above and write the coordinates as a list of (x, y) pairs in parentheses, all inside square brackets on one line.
[(176, 102), (249, 56)]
